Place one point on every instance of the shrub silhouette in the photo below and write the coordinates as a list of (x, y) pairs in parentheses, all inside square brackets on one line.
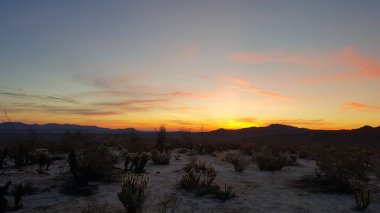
[(268, 161), (363, 193), (337, 167)]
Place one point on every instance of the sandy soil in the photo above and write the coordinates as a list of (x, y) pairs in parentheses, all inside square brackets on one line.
[(257, 191)]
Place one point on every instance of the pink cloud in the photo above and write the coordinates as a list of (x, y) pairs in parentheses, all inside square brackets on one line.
[(246, 86), (362, 67), (359, 106)]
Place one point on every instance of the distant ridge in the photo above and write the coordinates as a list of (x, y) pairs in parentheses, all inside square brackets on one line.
[(54, 127), (57, 128)]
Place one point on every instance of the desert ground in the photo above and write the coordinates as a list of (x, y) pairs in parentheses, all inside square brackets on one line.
[(256, 191)]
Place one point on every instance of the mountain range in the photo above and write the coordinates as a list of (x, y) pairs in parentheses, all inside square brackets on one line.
[(271, 133)]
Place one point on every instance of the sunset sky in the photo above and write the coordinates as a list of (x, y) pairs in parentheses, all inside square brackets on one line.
[(187, 64)]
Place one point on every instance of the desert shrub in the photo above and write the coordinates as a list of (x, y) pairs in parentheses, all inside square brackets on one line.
[(43, 160), (197, 174), (200, 177), (209, 148), (3, 200), (268, 161), (376, 167), (161, 157), (161, 138), (22, 157), (137, 162), (225, 193), (363, 193), (304, 153), (198, 166), (94, 161), (246, 149), (168, 202), (190, 179), (291, 159), (338, 166), (3, 155), (239, 161), (96, 207), (133, 192)]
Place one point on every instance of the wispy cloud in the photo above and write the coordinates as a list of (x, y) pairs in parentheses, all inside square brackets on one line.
[(257, 58), (133, 102), (361, 67), (359, 106), (247, 120), (45, 97), (63, 109), (246, 86)]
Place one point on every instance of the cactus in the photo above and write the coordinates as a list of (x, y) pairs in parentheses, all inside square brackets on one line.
[(363, 193), (132, 195), (137, 161)]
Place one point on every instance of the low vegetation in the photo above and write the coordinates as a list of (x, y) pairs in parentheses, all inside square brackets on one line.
[(135, 162), (133, 192), (266, 160), (200, 177), (336, 167), (239, 161), (3, 156), (363, 193), (161, 157)]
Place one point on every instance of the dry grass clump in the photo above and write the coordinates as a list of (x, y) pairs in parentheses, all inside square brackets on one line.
[(161, 157), (239, 161), (363, 193), (198, 176), (337, 167), (133, 192), (135, 162), (266, 160)]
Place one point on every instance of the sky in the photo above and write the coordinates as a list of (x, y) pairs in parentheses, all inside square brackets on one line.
[(191, 64)]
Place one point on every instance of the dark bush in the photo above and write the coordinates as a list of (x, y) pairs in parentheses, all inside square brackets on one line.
[(268, 161), (160, 157)]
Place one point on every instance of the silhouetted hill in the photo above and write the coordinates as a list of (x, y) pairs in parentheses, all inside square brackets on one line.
[(273, 133), (56, 128)]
